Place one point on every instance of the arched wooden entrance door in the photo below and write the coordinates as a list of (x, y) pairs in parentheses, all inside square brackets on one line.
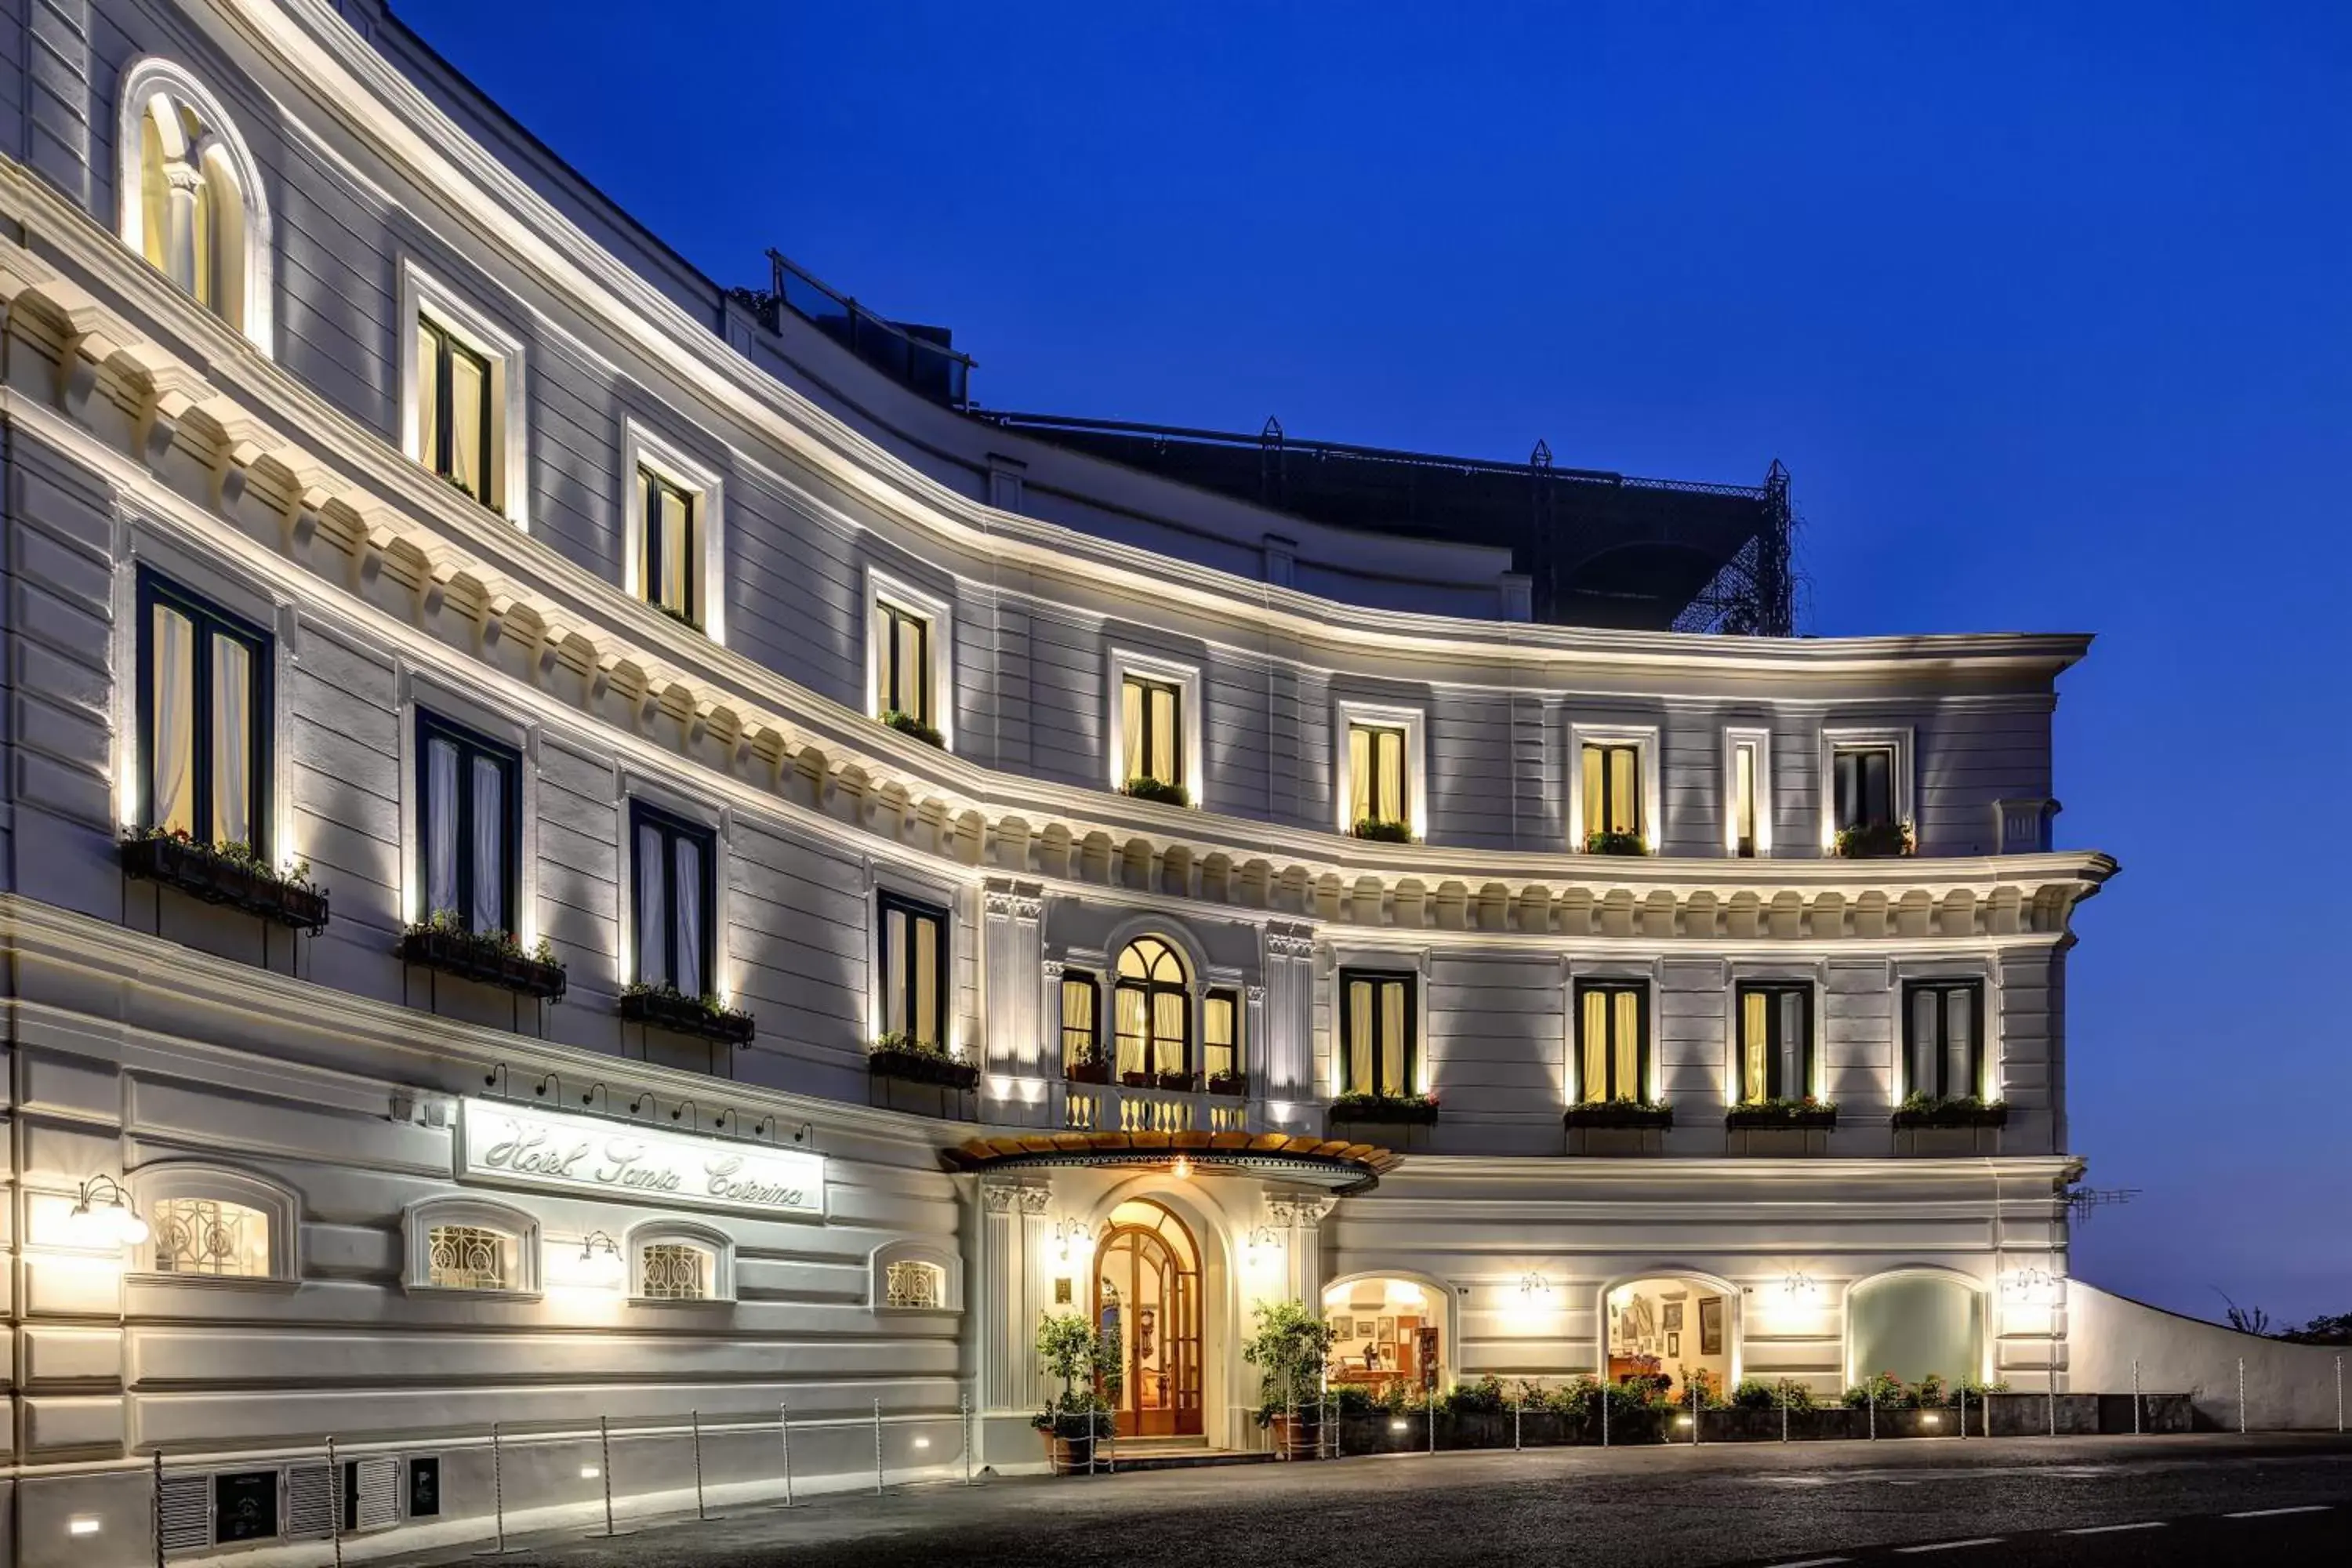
[(1147, 1302)]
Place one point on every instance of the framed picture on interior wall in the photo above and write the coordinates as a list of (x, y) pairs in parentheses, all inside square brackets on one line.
[(1674, 1341), (1710, 1326), (1387, 1330), (1671, 1316)]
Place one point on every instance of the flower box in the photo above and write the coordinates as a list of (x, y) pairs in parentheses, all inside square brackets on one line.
[(1179, 1082), (1601, 841), (1967, 1110), (1094, 1072), (1622, 1113), (1395, 1110), (1797, 1115), (1158, 790), (916, 1064), (1383, 832), (218, 875), (1234, 1084), (481, 958), (908, 724), (1875, 841), (683, 1014)]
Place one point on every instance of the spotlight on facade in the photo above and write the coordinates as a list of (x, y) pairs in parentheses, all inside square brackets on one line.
[(82, 1524), (1182, 1170), (600, 1261), (102, 1215)]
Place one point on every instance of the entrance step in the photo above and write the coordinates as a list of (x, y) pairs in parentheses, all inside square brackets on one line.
[(1176, 1454)]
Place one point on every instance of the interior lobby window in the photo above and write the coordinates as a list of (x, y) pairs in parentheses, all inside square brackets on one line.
[(904, 662), (1674, 1327), (470, 827), (914, 971), (673, 576), (1221, 1037), (1153, 1014), (1376, 767), (1081, 1021), (674, 887), (455, 409), (203, 686), (1612, 795), (211, 1236), (1384, 1332), (1943, 1038), (1152, 715), (1376, 1033), (1612, 1034), (1776, 1041)]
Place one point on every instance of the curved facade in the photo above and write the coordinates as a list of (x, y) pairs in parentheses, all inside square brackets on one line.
[(944, 873)]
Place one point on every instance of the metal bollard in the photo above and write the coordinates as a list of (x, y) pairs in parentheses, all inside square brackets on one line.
[(498, 1494), (1429, 1417), (605, 1473), (335, 1501), (699, 1512), (878, 1448), (1874, 1414), (159, 1508), (1964, 1413), (2054, 1399), (1517, 1410), (2242, 1396), (2135, 1396), (1693, 1415), (1784, 1410), (963, 1418), (2339, 1394), (784, 1441), (1604, 1416)]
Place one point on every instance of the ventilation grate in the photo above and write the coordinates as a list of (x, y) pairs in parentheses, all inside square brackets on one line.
[(185, 1504)]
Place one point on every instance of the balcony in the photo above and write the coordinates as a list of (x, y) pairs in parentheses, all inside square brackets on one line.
[(1117, 1108)]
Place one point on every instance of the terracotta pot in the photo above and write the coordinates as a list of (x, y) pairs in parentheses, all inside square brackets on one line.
[(1298, 1436)]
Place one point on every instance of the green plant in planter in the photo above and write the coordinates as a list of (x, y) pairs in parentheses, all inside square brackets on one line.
[(1160, 790), (1484, 1397), (1290, 1347), (1886, 1390), (1756, 1394), (1381, 832), (908, 724), (1710, 1387), (1876, 840), (682, 617), (1605, 841), (1073, 1351)]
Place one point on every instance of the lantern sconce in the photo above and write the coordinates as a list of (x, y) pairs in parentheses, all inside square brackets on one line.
[(593, 1091), (2031, 1286), (599, 1259), (541, 1092), (1071, 1242), (1799, 1288), (1535, 1291), (1262, 1247), (102, 1215), (1182, 1170)]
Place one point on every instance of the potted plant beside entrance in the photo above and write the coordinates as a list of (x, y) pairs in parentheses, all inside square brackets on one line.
[(1290, 1349), (1074, 1351)]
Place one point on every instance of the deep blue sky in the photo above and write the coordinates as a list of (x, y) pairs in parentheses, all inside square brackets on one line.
[(2052, 318)]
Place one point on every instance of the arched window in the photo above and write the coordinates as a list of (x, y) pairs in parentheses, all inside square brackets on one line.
[(208, 1224), (672, 1260), (914, 1277), (192, 197), (1154, 1017), (471, 1244)]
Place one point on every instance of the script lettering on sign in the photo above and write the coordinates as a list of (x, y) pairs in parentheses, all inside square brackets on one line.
[(524, 1146)]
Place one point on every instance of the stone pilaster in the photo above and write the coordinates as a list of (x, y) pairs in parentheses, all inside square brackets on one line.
[(1011, 953), (1286, 1020), (1036, 1285), (1299, 1216)]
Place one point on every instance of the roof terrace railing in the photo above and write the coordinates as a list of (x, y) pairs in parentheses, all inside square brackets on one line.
[(918, 358)]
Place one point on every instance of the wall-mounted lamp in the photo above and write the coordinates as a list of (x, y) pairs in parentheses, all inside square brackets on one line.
[(1072, 1242), (599, 1259), (682, 1107), (1799, 1290), (2031, 1286), (102, 1215), (1262, 1248), (540, 1092), (593, 1091), (1182, 1170), (641, 1102), (1535, 1290), (496, 1077)]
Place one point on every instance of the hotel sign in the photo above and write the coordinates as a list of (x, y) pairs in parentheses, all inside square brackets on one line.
[(516, 1145)]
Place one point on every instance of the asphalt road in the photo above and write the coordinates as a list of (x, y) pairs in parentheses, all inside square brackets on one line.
[(2206, 1499)]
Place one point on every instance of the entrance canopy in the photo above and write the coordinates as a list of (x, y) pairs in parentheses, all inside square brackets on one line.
[(1332, 1163)]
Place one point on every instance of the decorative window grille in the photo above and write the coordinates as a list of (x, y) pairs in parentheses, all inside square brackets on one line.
[(467, 1257), (912, 1284), (674, 1271), (206, 1236)]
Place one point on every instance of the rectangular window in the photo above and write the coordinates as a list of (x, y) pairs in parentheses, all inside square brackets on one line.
[(673, 547), (1746, 787), (1612, 789), (1081, 1020), (1153, 721), (1376, 778), (1377, 1028), (469, 827), (204, 701), (1221, 1034), (1612, 1038), (914, 960), (1943, 1038), (455, 409), (1864, 784), (674, 899), (1776, 1041), (903, 661)]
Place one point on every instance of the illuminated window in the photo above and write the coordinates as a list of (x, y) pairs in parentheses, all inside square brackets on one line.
[(1153, 730), (210, 1236), (470, 1258), (1376, 774), (192, 200), (203, 702), (673, 898), (673, 1272), (1221, 1035), (1377, 1033), (672, 572), (914, 960), (903, 662), (909, 1283), (1612, 1019), (468, 826), (1613, 789), (1152, 1009), (1748, 792), (1081, 1020), (1943, 1038), (1864, 785), (1776, 1040), (457, 410)]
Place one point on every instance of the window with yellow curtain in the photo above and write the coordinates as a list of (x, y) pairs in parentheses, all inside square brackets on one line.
[(182, 160), (1776, 1040), (1153, 1007), (915, 976), (1151, 721), (673, 553), (1081, 1020), (1612, 1040), (1376, 774), (1612, 789), (455, 410), (1377, 1044), (1221, 1035), (904, 646), (204, 695)]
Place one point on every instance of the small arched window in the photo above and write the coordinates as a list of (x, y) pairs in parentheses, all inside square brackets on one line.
[(915, 1277), (472, 1245), (191, 195), (1154, 1011), (207, 1224), (672, 1260)]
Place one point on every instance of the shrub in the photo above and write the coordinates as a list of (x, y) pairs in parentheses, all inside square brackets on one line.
[(1601, 841), (1156, 789), (1484, 1397), (1383, 832)]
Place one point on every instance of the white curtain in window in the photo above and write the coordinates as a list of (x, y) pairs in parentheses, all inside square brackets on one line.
[(1795, 1081), (1131, 701), (690, 934), (171, 761), (1924, 1042), (894, 979), (232, 741), (652, 908), (489, 913), (1959, 1042), (441, 826)]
